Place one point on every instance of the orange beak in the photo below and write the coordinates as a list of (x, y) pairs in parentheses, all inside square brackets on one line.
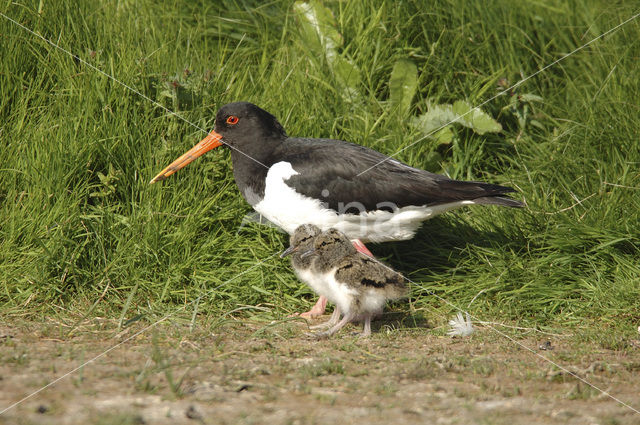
[(213, 140)]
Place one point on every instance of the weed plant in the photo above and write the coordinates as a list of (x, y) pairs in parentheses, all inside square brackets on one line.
[(82, 233)]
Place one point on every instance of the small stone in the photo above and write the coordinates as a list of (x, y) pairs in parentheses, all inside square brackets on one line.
[(192, 413), (243, 387), (546, 346)]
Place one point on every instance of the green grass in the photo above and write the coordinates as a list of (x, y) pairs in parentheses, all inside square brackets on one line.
[(82, 233)]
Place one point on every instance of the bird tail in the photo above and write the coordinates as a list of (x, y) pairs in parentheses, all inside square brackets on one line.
[(499, 200), (479, 193), (397, 288)]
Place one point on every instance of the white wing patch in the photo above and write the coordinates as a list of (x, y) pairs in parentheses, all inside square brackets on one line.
[(287, 208)]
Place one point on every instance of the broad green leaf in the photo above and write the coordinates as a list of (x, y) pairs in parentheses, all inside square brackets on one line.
[(439, 118), (436, 122), (318, 26), (403, 84), (444, 135), (321, 37), (475, 119), (348, 75)]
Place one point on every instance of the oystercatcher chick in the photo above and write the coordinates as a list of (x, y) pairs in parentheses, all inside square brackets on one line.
[(332, 183), (357, 284)]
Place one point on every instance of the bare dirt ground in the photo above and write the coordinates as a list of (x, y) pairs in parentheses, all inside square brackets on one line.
[(251, 373)]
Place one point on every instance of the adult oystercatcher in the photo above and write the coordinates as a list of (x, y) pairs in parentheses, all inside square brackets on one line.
[(358, 285), (331, 183)]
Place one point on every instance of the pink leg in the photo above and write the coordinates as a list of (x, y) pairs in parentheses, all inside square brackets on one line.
[(357, 243), (316, 310)]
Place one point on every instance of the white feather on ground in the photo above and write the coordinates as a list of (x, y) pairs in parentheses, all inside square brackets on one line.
[(460, 325)]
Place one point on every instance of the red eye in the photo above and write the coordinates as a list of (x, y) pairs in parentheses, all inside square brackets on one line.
[(233, 120)]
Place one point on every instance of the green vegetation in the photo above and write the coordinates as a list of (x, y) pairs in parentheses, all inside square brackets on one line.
[(82, 233)]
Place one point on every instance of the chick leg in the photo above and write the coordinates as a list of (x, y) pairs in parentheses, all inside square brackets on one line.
[(335, 317), (341, 324), (367, 326)]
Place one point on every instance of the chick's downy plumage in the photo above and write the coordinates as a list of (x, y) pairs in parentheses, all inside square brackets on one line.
[(358, 285)]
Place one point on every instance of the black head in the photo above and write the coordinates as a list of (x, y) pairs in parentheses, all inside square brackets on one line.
[(242, 122), (252, 133)]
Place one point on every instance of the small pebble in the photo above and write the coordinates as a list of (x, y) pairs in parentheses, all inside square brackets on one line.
[(192, 413), (546, 346), (242, 388)]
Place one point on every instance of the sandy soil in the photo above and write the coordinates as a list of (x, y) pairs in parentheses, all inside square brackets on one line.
[(251, 373)]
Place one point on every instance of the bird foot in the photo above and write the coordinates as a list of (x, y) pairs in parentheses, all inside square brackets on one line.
[(333, 320), (324, 325), (317, 335), (364, 335), (360, 335)]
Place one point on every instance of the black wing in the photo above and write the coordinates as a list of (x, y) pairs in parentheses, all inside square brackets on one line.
[(330, 170)]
